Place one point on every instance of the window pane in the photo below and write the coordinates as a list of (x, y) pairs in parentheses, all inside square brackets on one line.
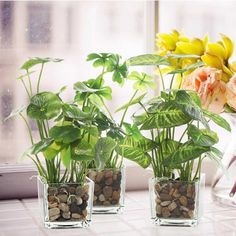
[(68, 30)]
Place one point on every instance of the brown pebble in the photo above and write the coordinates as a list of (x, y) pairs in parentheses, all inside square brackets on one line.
[(76, 216), (63, 207), (99, 177), (176, 194), (158, 209), (52, 218), (157, 187), (107, 191), (183, 200), (165, 212), (172, 206), (62, 197), (108, 174), (116, 196), (106, 203), (66, 215), (101, 198), (109, 181), (165, 203), (165, 197), (52, 205)]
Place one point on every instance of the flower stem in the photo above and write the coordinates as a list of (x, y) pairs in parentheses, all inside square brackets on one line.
[(39, 79)]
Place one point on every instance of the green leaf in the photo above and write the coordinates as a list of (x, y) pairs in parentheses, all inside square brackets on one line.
[(166, 117), (203, 137), (62, 89), (168, 147), (37, 60), (103, 151), (51, 151), (186, 152), (66, 157), (133, 102), (185, 102), (44, 106), (217, 152), (218, 120), (83, 151), (187, 68), (139, 119), (147, 59), (93, 56), (66, 134), (38, 147), (179, 56), (133, 130), (82, 87), (73, 112), (135, 154), (15, 112), (216, 155)]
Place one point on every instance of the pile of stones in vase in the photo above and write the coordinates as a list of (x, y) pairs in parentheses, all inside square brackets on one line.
[(67, 202), (175, 199), (107, 187)]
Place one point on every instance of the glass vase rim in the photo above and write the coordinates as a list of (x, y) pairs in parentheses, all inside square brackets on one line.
[(114, 168), (159, 179), (43, 180)]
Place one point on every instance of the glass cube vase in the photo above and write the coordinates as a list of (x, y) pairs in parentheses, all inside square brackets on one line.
[(109, 190), (66, 205), (174, 202)]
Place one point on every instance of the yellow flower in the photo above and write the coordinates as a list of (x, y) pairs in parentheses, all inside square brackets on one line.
[(217, 55)]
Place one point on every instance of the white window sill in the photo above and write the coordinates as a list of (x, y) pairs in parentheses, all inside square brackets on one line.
[(22, 217)]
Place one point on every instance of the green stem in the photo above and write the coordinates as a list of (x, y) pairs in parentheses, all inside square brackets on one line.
[(172, 80), (30, 84), (28, 128), (39, 79), (123, 117), (104, 104), (162, 79), (27, 91)]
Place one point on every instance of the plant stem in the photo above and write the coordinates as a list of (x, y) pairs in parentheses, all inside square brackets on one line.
[(126, 109), (162, 79), (104, 104), (172, 80), (30, 84), (28, 128), (27, 91), (39, 79)]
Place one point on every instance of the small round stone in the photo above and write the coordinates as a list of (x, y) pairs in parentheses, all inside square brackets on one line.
[(62, 197), (106, 203), (165, 197), (183, 200), (52, 191), (74, 208), (85, 212), (158, 209), (52, 218), (66, 215), (79, 200), (172, 206), (107, 191), (52, 205), (108, 174), (92, 175), (72, 189), (116, 196), (63, 207), (165, 212), (101, 198), (99, 177), (76, 216), (108, 181), (53, 211)]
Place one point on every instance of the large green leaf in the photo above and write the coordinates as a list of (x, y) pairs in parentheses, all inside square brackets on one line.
[(82, 87), (44, 106), (217, 119), (203, 137), (38, 147), (37, 60), (179, 56), (167, 147), (16, 112), (186, 152), (187, 104), (169, 115), (147, 59), (51, 151), (83, 151), (216, 155), (66, 134), (135, 154), (73, 112), (103, 151), (133, 131), (188, 68), (133, 102)]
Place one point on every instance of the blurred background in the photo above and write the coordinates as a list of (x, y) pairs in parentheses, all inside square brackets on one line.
[(73, 29)]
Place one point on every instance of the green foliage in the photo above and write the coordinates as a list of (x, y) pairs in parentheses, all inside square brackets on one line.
[(37, 60), (148, 60), (188, 68), (15, 112), (44, 106)]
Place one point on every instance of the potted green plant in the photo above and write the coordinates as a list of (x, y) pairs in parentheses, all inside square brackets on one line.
[(107, 169), (61, 151), (171, 135)]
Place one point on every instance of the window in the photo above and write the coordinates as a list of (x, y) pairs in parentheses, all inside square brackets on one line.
[(68, 30)]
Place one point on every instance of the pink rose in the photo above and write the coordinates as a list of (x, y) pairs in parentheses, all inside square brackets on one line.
[(206, 81), (231, 92)]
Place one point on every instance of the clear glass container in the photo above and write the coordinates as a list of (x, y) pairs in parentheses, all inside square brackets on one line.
[(66, 205), (224, 184), (174, 202), (109, 190)]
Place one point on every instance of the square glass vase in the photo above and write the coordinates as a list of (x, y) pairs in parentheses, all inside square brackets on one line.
[(66, 205), (174, 202), (109, 190)]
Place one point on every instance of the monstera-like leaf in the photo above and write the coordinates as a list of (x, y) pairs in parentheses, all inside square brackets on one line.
[(44, 106)]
